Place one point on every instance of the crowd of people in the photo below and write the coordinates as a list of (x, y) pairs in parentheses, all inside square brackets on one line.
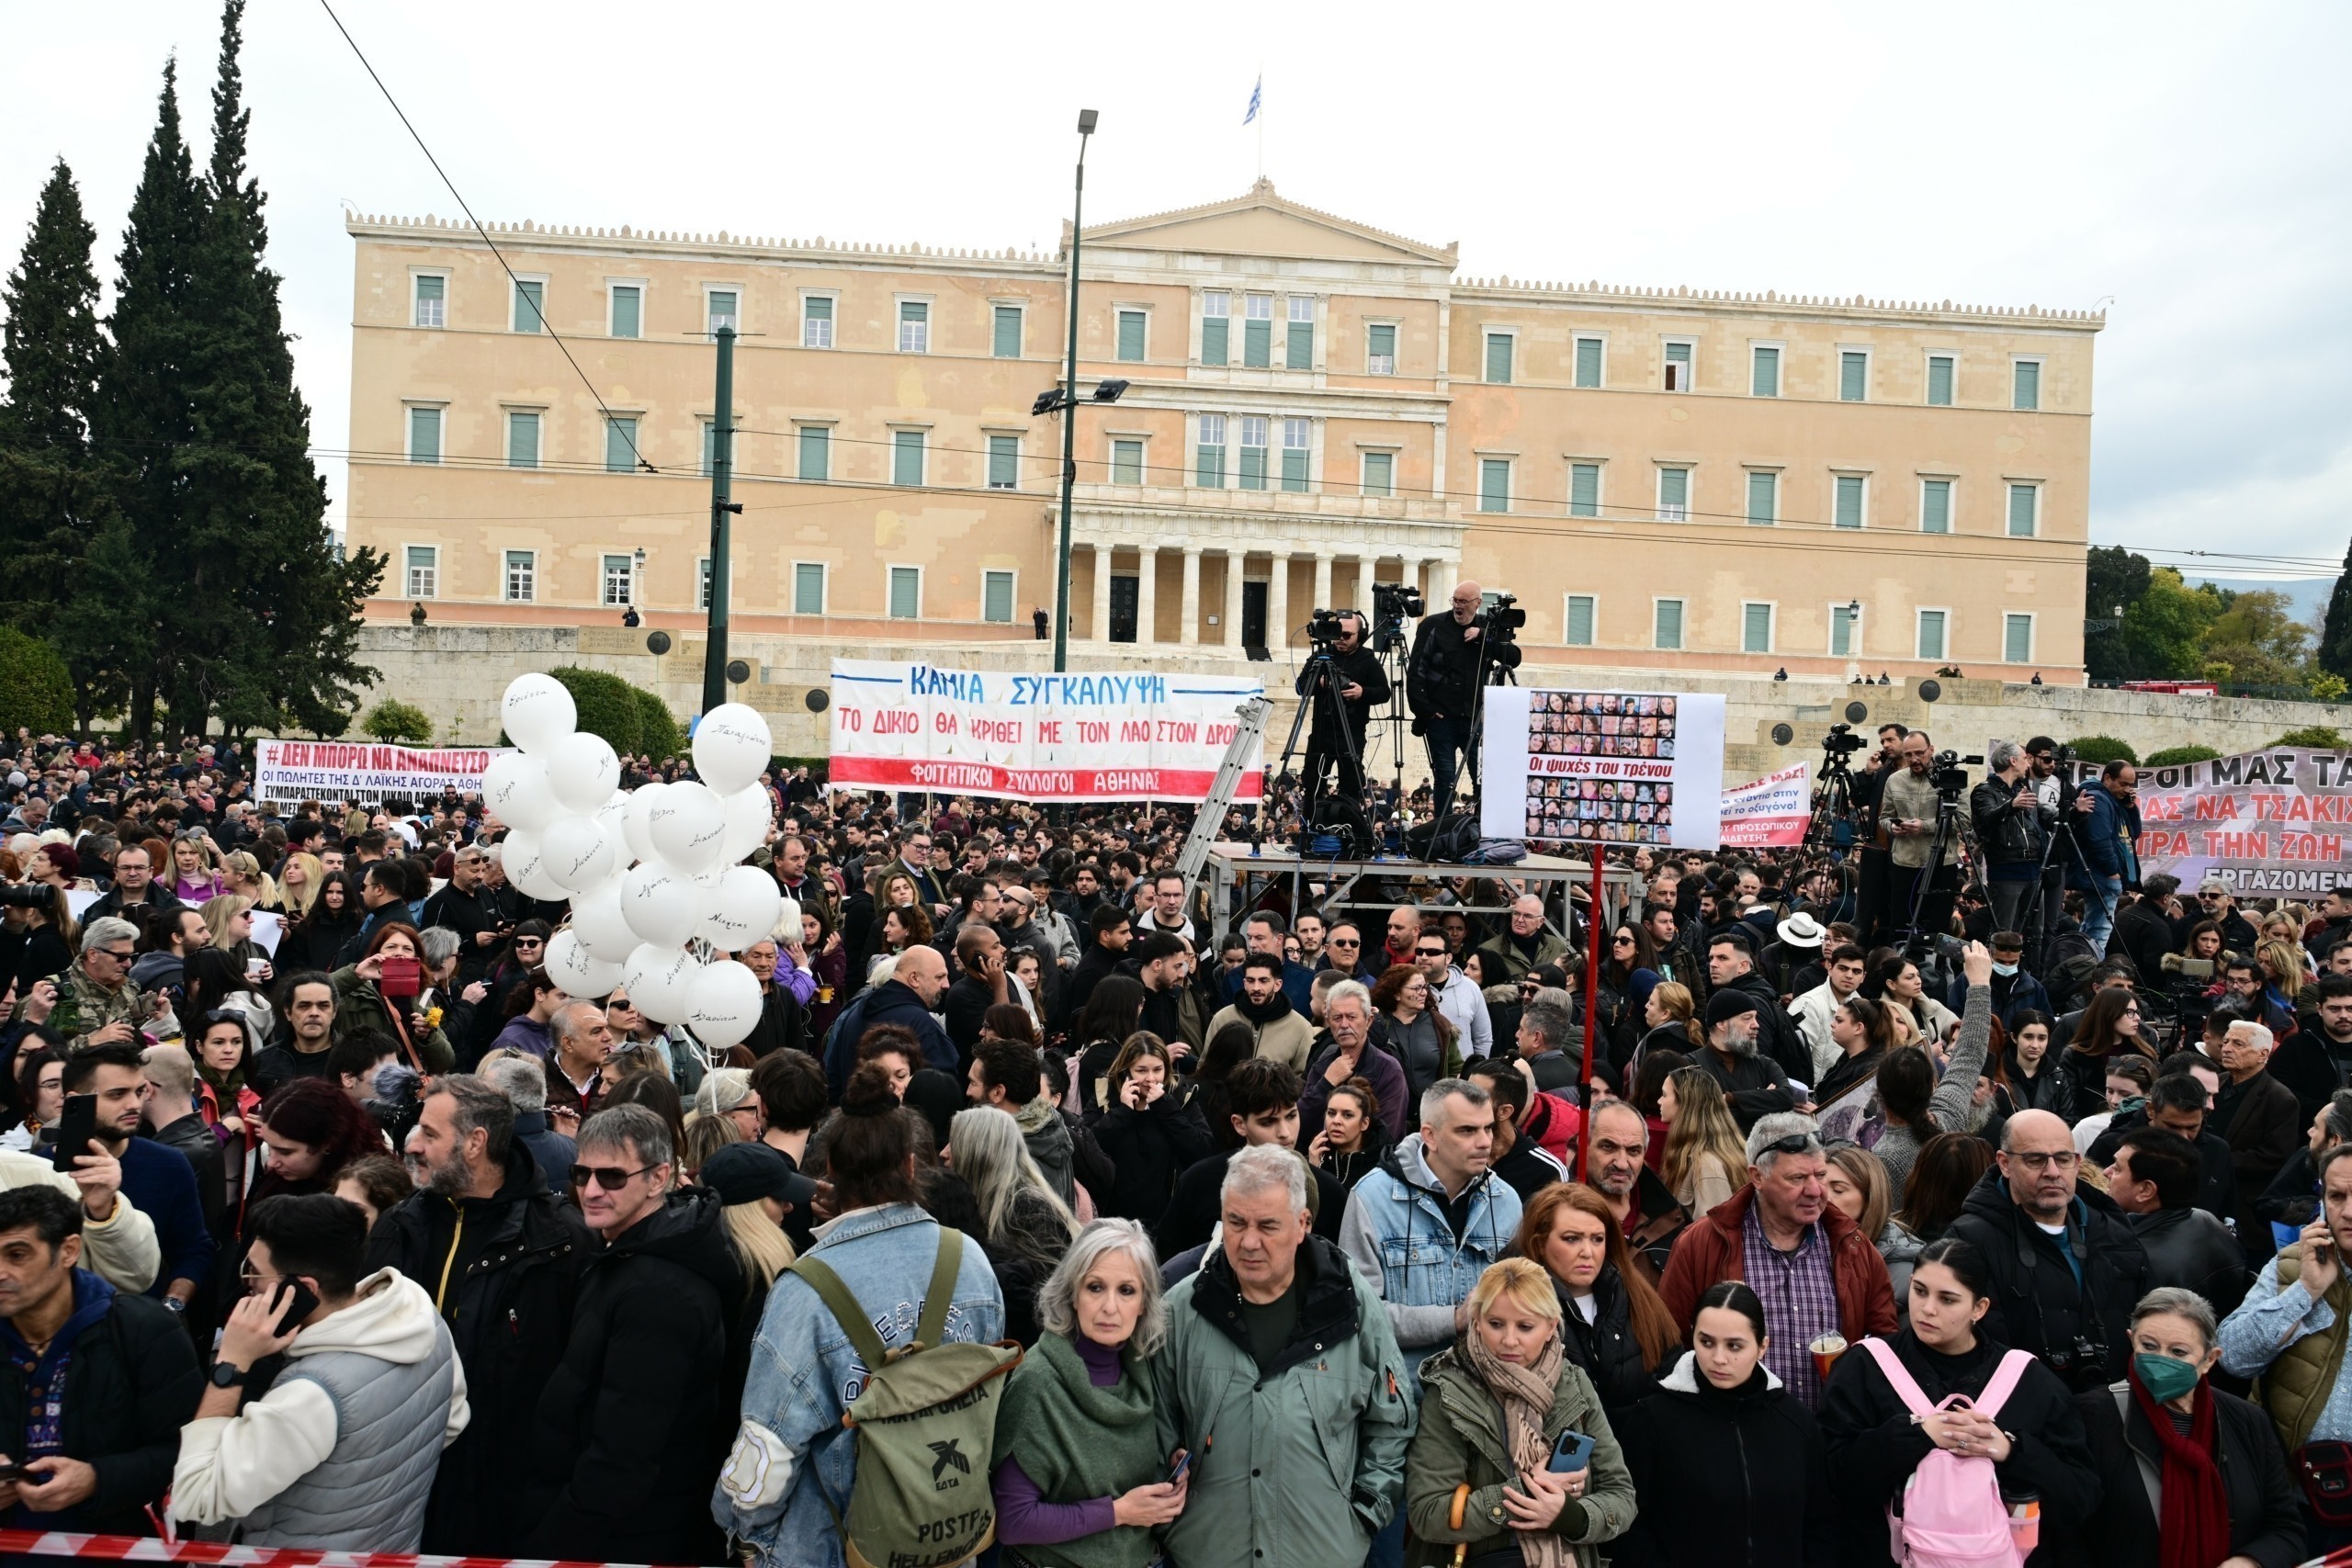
[(1036, 1221)]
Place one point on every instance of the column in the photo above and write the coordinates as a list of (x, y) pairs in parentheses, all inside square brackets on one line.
[(1099, 630), (1278, 602), (1323, 580), (1189, 632), (1438, 589), (1146, 594), (1232, 627)]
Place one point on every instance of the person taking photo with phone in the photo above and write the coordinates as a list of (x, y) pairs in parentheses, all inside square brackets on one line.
[(340, 1454), (380, 991)]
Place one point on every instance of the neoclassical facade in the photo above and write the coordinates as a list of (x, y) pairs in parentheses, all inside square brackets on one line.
[(1668, 479)]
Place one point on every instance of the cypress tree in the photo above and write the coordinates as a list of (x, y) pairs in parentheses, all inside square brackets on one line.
[(2334, 651)]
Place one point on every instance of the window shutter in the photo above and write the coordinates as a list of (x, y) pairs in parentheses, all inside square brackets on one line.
[(1674, 494), (1380, 348), (1853, 377), (2017, 638), (1253, 468), (627, 310), (1499, 346), (522, 441), (817, 322), (906, 457), (1208, 468), (1678, 367), (1257, 344), (1005, 462), (906, 593), (1131, 331), (1584, 490), (1939, 368), (527, 300), (1765, 380), (1298, 344), (996, 596), (1380, 473), (1849, 501), (1293, 469), (1494, 484), (2022, 511), (1935, 506), (808, 588), (816, 452), (1126, 462), (1588, 362), (1841, 631), (1580, 627), (432, 301), (2029, 385), (1213, 339), (620, 445), (1007, 336), (1763, 490), (1756, 628), (1669, 624), (1932, 634)]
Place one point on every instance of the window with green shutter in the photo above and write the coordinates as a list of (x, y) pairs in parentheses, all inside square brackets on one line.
[(522, 576), (2016, 639), (1005, 462), (816, 321), (1576, 624), (1935, 506), (1932, 634), (906, 593), (1208, 458), (816, 452), (709, 446), (1126, 462), (628, 309), (1678, 365), (1763, 499), (1939, 379), (1674, 495), (620, 445), (725, 308), (2027, 386), (1131, 331), (1380, 473), (2024, 510), (1498, 347), (1841, 631), (906, 457), (1216, 311), (1665, 630), (530, 296), (423, 572), (1764, 375), (1588, 362), (522, 439), (1853, 377), (1380, 349), (1299, 338), (1257, 331), (1756, 628), (914, 326), (1494, 484), (808, 588), (1297, 433), (432, 300), (996, 597), (1253, 451), (1849, 501), (1004, 340), (1584, 490), (425, 435)]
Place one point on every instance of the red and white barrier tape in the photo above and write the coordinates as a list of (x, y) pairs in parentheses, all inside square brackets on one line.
[(146, 1549)]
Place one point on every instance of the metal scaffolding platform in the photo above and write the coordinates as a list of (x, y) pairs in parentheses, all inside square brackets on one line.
[(1238, 867)]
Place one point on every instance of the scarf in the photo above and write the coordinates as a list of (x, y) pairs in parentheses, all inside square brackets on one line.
[(2195, 1529), (1277, 1006), (228, 1086), (1525, 1394), (1079, 1442)]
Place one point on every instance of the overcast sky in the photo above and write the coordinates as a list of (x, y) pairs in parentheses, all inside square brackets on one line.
[(2184, 166)]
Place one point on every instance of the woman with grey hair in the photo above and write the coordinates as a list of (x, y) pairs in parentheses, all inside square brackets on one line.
[(2188, 1474), (1026, 1227), (1079, 1473)]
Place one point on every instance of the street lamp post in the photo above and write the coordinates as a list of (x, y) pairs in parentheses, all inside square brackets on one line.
[(723, 508), (1086, 119)]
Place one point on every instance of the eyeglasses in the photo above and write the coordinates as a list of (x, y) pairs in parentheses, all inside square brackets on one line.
[(611, 1177)]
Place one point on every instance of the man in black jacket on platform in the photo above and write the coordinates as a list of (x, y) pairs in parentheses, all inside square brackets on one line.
[(1450, 651), (501, 1259), (1357, 685)]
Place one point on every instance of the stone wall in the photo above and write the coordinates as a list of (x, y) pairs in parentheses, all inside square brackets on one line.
[(456, 674)]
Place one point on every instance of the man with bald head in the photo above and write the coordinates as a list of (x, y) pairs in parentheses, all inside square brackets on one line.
[(1452, 659), (2067, 1265)]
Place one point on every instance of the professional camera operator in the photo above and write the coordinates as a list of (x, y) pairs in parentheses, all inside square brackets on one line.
[(1909, 805), (1358, 685), (2010, 832), (1451, 656)]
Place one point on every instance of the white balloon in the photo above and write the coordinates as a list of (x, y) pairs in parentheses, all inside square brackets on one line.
[(688, 821), (750, 813), (723, 1008), (732, 747), (658, 904), (576, 854), (514, 788), (613, 815), (741, 910), (637, 826), (538, 712), (584, 771), (660, 981), (579, 972), (596, 916), (525, 863)]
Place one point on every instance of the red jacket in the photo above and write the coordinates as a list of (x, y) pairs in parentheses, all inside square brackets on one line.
[(1709, 1250)]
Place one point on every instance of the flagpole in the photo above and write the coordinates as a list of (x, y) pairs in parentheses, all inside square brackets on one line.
[(1260, 98)]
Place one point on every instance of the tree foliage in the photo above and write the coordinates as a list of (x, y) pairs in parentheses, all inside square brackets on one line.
[(2177, 756), (606, 704), (2312, 738), (394, 720), (2104, 749), (36, 693), (656, 728), (2334, 652)]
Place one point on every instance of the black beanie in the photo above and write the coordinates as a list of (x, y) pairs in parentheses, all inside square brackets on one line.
[(1728, 1003)]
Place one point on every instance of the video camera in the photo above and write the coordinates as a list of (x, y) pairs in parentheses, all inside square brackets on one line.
[(1842, 741), (1392, 603), (1499, 620), (1946, 775), (1324, 628)]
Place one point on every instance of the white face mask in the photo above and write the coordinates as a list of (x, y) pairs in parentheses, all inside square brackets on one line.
[(2004, 970)]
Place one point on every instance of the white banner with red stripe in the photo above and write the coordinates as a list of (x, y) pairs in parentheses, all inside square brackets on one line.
[(146, 1549), (1775, 810), (1119, 734)]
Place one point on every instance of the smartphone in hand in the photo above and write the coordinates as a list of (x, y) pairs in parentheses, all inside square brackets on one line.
[(76, 1130)]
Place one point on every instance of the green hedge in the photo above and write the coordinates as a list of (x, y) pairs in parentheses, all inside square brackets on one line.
[(607, 706), (393, 720), (2176, 756), (2104, 749), (656, 728), (36, 692), (2317, 738)]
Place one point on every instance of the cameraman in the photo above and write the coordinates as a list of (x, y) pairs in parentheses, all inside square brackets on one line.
[(2010, 832), (1441, 682), (1357, 683), (1908, 806)]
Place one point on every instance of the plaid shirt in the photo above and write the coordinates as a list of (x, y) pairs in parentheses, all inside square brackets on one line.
[(1799, 1291)]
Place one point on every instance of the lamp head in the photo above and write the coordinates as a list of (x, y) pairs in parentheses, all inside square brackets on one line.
[(1109, 391), (1086, 122)]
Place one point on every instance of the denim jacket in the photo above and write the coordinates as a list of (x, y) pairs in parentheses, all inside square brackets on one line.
[(803, 1374), (1397, 1237)]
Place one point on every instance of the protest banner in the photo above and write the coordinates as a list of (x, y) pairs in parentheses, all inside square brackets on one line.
[(1109, 735), (2271, 823), (1603, 767), (290, 770), (1773, 811)]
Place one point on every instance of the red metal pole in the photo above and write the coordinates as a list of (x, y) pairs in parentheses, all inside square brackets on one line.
[(1594, 926)]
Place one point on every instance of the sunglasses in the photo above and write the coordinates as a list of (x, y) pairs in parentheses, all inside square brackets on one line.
[(1794, 1144), (611, 1177), (1343, 942), (1428, 953)]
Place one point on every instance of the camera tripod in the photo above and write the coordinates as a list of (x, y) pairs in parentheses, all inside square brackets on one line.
[(1320, 677), (1833, 803), (1489, 674), (1951, 824)]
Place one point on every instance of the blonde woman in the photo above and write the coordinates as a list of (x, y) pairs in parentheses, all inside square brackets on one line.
[(247, 879), (2282, 971), (230, 919), (298, 876), (197, 874), (1706, 1159), (1028, 1226)]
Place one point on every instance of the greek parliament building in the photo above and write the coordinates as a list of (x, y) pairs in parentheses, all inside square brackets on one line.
[(1671, 479)]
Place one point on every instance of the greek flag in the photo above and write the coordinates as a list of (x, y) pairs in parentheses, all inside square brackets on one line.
[(1254, 90)]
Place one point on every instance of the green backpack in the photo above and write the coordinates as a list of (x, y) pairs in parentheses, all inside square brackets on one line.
[(925, 1425)]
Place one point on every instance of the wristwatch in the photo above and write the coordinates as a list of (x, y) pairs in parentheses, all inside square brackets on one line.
[(227, 1374), (175, 1306)]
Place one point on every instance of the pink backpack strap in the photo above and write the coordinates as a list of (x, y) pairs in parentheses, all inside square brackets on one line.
[(1898, 1377), (2005, 1381)]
